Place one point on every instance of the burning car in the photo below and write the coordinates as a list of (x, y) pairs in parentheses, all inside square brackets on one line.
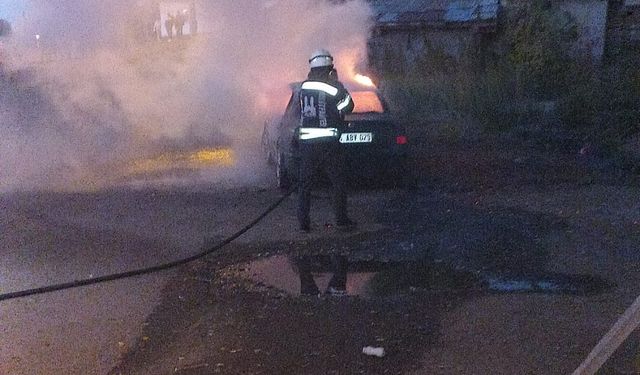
[(376, 145)]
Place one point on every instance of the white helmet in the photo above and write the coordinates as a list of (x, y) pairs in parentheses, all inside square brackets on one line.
[(320, 58)]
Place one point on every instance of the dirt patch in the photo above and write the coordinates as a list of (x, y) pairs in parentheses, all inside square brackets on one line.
[(230, 325)]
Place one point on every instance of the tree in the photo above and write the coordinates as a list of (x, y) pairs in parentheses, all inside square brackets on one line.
[(539, 39)]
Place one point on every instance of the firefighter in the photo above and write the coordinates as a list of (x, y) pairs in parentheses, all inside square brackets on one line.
[(323, 101)]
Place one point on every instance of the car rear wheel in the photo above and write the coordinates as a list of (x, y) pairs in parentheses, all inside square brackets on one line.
[(265, 146), (282, 177)]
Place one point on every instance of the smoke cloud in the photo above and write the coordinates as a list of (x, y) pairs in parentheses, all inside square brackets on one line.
[(85, 88)]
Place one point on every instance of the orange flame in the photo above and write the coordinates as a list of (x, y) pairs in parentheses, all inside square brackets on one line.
[(363, 80)]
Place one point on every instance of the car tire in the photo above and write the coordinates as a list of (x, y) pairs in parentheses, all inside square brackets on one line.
[(266, 147), (282, 177)]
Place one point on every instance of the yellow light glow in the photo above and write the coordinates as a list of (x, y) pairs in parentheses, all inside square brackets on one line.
[(222, 156), (183, 160), (363, 80)]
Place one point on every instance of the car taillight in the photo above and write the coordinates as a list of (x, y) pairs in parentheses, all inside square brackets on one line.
[(401, 140)]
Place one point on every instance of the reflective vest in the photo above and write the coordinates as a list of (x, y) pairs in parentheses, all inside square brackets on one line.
[(321, 106)]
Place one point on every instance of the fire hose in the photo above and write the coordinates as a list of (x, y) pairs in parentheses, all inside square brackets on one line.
[(151, 269), (162, 266)]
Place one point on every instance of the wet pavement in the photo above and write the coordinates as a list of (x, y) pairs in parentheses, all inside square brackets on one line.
[(50, 238)]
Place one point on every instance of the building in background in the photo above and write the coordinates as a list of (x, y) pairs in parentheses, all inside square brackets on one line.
[(176, 18), (406, 31)]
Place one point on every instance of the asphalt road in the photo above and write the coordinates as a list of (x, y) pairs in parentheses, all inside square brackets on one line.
[(553, 244), (50, 238), (503, 220), (57, 237)]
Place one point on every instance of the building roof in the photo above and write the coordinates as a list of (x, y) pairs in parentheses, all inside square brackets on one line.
[(434, 12)]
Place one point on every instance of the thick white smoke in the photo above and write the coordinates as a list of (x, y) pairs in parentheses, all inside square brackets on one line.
[(82, 92)]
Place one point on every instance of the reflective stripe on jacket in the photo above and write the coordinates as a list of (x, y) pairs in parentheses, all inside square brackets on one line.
[(316, 133), (322, 105)]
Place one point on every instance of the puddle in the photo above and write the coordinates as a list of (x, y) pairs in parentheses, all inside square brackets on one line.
[(311, 275), (338, 275)]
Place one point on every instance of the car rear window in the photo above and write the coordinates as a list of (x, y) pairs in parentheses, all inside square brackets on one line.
[(366, 101)]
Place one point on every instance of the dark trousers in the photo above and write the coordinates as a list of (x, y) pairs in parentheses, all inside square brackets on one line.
[(314, 159), (339, 268)]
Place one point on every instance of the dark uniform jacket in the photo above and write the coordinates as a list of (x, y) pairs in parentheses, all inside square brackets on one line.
[(323, 101)]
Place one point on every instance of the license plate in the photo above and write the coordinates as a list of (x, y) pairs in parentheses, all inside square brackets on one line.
[(356, 138)]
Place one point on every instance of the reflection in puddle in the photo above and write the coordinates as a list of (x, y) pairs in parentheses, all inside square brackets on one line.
[(311, 275), (338, 276)]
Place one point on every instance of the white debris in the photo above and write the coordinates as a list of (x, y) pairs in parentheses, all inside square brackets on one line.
[(370, 350)]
